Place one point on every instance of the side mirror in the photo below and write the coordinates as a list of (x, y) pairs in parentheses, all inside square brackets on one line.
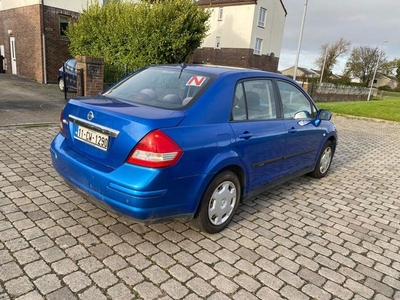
[(324, 114)]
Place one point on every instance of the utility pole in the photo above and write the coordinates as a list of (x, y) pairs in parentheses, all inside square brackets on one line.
[(300, 39), (323, 66), (376, 68)]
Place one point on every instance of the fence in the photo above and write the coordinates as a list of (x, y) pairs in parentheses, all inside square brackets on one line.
[(114, 73), (71, 77), (328, 92)]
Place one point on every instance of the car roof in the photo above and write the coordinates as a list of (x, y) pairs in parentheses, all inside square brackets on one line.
[(219, 70)]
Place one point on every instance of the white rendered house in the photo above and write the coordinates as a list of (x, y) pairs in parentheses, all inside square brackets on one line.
[(243, 33)]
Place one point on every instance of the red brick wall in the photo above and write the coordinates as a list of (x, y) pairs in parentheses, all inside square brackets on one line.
[(235, 57), (25, 25), (93, 75), (56, 44)]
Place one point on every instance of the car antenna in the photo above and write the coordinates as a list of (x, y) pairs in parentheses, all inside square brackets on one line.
[(183, 65)]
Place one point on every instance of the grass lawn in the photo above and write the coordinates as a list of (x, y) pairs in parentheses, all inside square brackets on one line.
[(385, 109)]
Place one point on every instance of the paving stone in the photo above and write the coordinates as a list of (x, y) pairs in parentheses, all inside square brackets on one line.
[(26, 256), (121, 292), (206, 257), (200, 287), (181, 273), (267, 293), (139, 261), (93, 293), (104, 278), (315, 292), (337, 290), (10, 270), (293, 293), (379, 287), (131, 276), (52, 254), (16, 244), (163, 260), (19, 286), (77, 252), (358, 288), (174, 289), (147, 290), (156, 274), (37, 269), (168, 247), (5, 257), (78, 281), (63, 293), (47, 283), (270, 280), (334, 238), (34, 295)]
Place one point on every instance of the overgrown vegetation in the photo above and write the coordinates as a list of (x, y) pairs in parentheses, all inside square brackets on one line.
[(133, 35)]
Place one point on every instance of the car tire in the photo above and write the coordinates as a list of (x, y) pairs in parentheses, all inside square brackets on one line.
[(324, 161), (61, 84), (219, 203)]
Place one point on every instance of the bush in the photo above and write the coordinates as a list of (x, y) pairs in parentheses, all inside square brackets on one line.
[(134, 35), (385, 88)]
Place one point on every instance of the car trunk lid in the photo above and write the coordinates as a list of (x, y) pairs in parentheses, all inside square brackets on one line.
[(105, 130)]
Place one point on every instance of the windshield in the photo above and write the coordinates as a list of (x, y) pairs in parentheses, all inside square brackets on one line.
[(161, 87)]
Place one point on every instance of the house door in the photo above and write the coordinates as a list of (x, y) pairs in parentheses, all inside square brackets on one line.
[(13, 56)]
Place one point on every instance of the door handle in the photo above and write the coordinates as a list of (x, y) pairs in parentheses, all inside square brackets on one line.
[(292, 130), (245, 135)]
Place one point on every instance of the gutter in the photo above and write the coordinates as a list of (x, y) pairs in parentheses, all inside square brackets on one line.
[(43, 39)]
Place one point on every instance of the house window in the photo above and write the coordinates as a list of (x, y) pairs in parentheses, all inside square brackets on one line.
[(64, 21), (218, 42), (220, 13), (257, 47), (261, 17)]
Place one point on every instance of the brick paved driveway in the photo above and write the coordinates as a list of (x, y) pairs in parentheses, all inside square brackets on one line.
[(335, 238)]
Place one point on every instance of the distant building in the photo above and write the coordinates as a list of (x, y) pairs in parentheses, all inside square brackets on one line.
[(32, 35), (301, 72), (243, 33), (383, 80)]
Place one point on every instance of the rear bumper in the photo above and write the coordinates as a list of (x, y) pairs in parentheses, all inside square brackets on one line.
[(144, 194)]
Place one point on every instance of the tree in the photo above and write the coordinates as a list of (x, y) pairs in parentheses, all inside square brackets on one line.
[(330, 54), (391, 68), (362, 61), (139, 34)]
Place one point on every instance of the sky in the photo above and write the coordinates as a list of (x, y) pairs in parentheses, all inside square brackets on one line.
[(362, 22)]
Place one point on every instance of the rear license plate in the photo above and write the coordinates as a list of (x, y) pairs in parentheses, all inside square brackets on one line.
[(94, 138)]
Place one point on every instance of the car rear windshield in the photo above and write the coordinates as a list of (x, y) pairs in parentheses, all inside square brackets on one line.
[(170, 88)]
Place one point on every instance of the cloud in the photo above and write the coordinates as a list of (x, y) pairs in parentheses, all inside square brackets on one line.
[(363, 23)]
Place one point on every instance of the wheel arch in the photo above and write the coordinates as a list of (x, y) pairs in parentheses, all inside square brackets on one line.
[(333, 139), (237, 170)]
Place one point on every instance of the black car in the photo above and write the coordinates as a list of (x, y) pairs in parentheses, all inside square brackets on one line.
[(69, 80)]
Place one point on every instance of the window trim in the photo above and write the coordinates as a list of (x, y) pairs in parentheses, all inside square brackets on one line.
[(218, 42), (262, 17), (257, 51), (61, 30), (220, 13)]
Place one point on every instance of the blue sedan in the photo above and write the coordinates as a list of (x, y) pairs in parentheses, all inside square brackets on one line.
[(191, 142)]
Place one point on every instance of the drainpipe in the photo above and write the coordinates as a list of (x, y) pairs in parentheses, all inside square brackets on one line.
[(43, 38)]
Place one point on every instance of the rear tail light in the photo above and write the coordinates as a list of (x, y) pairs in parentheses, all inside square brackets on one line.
[(155, 150)]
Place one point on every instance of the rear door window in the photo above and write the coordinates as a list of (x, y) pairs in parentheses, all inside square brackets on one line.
[(254, 100)]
